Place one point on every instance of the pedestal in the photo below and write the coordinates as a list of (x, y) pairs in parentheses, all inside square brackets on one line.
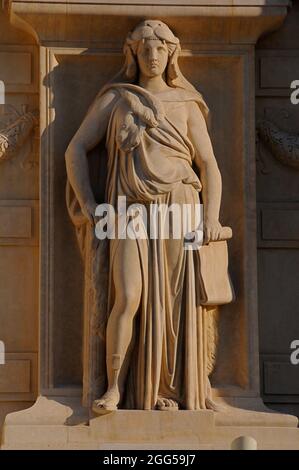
[(55, 424)]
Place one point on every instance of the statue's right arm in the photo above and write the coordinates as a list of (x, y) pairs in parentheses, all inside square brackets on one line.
[(90, 133)]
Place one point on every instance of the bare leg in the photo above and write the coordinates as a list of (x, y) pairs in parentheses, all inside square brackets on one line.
[(128, 284)]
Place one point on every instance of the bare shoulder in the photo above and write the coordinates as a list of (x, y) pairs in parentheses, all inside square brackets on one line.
[(194, 112), (96, 120), (106, 100)]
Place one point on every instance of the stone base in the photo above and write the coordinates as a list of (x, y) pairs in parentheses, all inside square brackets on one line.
[(64, 424)]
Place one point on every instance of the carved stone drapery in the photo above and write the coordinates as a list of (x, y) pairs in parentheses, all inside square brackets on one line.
[(15, 134)]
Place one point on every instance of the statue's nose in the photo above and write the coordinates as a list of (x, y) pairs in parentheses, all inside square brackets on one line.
[(153, 54)]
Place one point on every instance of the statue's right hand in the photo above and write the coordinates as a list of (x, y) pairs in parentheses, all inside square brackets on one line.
[(89, 210)]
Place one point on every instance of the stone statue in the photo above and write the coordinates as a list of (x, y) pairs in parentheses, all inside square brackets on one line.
[(143, 312)]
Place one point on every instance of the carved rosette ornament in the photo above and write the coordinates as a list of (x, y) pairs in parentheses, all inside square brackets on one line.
[(14, 135), (284, 146)]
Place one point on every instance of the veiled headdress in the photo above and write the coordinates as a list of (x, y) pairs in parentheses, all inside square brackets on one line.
[(153, 29)]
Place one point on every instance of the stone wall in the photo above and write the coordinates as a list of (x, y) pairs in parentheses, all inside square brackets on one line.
[(19, 226), (277, 65)]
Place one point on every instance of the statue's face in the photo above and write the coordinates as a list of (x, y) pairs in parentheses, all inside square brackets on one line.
[(152, 57)]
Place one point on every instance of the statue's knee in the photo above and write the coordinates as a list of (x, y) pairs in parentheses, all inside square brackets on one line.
[(129, 302)]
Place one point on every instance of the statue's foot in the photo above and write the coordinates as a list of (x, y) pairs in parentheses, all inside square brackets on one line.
[(166, 404), (211, 405), (107, 403)]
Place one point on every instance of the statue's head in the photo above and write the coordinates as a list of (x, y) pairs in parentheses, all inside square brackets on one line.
[(153, 49), (150, 48)]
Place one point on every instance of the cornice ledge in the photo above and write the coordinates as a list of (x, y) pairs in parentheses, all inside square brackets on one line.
[(89, 22)]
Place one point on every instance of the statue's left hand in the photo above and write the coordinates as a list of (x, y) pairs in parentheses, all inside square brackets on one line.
[(89, 210), (212, 231)]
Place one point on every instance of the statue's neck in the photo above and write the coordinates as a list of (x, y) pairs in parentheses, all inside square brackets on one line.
[(153, 84)]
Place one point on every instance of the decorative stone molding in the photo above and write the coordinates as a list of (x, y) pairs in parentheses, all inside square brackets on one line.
[(283, 145), (13, 136), (221, 21)]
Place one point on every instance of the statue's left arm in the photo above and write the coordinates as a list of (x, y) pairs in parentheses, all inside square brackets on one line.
[(209, 172), (89, 134)]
